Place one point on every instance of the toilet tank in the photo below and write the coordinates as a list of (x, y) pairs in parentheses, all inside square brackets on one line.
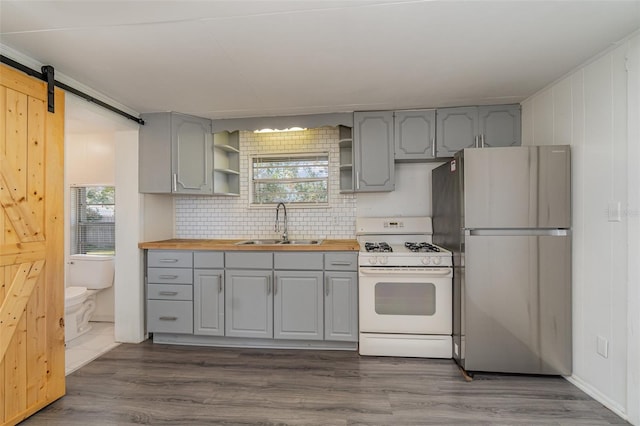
[(92, 271)]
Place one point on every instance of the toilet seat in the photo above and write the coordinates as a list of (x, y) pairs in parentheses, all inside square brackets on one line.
[(74, 295)]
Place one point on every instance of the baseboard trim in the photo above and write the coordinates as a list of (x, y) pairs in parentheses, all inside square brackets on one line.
[(598, 396)]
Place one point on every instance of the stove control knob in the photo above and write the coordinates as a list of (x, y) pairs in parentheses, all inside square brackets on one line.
[(426, 260), (383, 260), (373, 260), (436, 261)]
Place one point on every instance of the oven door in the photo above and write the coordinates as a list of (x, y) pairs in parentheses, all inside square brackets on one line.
[(405, 300)]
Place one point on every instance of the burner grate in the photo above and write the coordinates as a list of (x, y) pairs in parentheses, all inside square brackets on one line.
[(378, 247), (422, 247)]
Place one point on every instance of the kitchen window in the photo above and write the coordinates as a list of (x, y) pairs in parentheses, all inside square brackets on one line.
[(93, 220), (290, 178)]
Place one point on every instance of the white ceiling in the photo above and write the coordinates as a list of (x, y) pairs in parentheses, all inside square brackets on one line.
[(224, 59)]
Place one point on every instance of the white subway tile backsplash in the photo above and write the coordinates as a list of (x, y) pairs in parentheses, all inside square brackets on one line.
[(231, 217)]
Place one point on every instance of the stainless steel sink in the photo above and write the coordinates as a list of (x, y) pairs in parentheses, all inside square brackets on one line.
[(278, 242), (302, 242)]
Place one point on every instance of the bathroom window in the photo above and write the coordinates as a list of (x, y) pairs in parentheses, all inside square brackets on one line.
[(93, 222), (290, 178)]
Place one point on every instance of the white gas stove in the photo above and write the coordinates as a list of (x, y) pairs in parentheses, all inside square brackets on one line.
[(405, 289), (399, 241)]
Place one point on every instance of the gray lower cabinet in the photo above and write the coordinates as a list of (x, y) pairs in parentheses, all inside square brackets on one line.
[(477, 127), (249, 303), (298, 305), (341, 296), (373, 159), (208, 302), (169, 291), (341, 306)]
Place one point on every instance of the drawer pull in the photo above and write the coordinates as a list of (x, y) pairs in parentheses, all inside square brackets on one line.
[(168, 318), (168, 260), (168, 277), (340, 263), (168, 293)]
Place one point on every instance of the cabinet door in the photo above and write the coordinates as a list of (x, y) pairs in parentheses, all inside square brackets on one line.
[(298, 312), (341, 306), (248, 303), (373, 151), (499, 125), (457, 129), (208, 302), (414, 135), (192, 154)]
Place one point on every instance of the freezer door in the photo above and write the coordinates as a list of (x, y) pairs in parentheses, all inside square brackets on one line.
[(516, 301), (517, 187)]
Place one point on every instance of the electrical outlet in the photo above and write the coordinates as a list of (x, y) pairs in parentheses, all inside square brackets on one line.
[(602, 347)]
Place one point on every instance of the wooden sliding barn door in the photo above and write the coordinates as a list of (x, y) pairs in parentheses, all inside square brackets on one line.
[(31, 247)]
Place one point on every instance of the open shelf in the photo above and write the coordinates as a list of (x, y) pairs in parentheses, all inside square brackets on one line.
[(226, 163), (345, 144)]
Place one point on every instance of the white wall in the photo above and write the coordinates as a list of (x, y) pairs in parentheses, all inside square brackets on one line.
[(412, 196), (589, 109)]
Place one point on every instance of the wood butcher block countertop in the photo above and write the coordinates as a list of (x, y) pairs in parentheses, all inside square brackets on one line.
[(230, 245)]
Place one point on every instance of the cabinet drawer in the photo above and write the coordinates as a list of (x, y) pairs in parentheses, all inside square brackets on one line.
[(208, 259), (170, 259), (341, 261), (170, 275), (250, 260), (298, 261), (170, 292), (169, 316)]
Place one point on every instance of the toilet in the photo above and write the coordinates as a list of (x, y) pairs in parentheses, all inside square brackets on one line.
[(88, 274)]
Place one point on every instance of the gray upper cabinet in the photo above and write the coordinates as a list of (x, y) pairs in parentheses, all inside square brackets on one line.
[(457, 129), (477, 127), (415, 135), (175, 154), (298, 305), (499, 125), (373, 147)]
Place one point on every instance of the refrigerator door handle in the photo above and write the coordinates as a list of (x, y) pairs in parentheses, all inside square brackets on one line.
[(517, 232)]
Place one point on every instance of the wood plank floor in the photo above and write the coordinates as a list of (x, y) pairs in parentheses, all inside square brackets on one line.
[(180, 385)]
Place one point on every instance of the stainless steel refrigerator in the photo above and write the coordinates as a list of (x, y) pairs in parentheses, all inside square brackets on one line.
[(505, 213)]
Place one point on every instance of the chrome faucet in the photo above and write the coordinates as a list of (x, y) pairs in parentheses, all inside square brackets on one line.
[(285, 235)]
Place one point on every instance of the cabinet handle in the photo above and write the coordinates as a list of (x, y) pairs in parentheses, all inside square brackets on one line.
[(220, 283), (475, 141), (482, 139), (275, 285), (168, 318), (357, 180), (340, 263), (168, 260), (268, 284), (175, 182), (168, 293), (433, 147), (326, 285), (168, 277)]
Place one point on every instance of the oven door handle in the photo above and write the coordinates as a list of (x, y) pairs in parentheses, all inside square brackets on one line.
[(407, 271)]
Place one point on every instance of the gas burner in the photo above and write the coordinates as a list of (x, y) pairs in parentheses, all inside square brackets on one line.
[(378, 247), (422, 247)]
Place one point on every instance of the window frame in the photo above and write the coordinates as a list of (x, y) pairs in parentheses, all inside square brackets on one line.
[(77, 225), (253, 156)]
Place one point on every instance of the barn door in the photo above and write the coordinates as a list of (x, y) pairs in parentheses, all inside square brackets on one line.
[(31, 247)]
